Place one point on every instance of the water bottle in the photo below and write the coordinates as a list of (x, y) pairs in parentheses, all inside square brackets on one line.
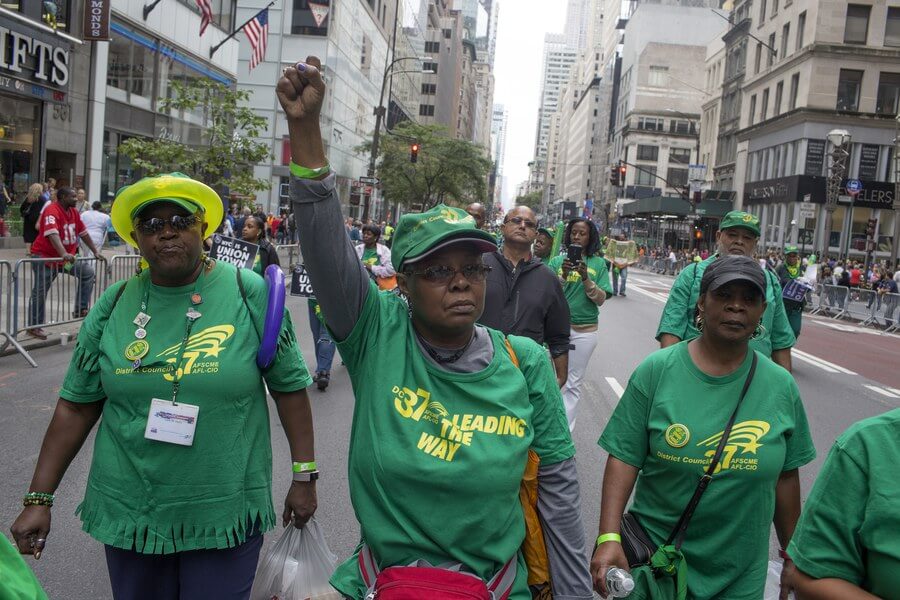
[(619, 583)]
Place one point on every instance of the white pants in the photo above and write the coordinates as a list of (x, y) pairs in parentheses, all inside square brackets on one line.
[(583, 347)]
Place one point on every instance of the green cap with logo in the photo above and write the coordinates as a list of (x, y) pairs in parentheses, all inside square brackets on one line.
[(791, 250), (548, 232), (738, 218), (421, 234)]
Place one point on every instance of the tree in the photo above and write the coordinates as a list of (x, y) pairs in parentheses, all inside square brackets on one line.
[(532, 200), (446, 170), (228, 151)]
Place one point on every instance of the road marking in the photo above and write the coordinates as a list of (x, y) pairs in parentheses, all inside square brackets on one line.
[(653, 295), (616, 386), (823, 363), (815, 364), (7, 376), (894, 391), (883, 392), (826, 322)]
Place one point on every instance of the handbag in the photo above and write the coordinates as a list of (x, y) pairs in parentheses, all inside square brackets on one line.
[(639, 549)]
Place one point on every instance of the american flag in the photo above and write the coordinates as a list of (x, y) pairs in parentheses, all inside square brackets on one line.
[(205, 10), (257, 31)]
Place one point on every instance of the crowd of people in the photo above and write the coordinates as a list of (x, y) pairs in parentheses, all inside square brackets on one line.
[(467, 356)]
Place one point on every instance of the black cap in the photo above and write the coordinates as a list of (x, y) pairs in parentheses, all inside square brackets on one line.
[(733, 268)]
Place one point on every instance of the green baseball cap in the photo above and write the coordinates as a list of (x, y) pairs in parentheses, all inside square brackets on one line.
[(738, 218), (548, 232), (420, 234), (791, 250)]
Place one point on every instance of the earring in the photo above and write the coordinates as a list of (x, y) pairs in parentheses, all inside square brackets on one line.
[(758, 332), (699, 324)]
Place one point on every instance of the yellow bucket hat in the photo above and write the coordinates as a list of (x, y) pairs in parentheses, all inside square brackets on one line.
[(177, 188)]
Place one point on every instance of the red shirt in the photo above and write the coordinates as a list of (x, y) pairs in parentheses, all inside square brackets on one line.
[(66, 223), (855, 276)]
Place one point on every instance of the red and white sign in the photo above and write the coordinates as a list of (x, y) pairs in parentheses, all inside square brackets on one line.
[(319, 12)]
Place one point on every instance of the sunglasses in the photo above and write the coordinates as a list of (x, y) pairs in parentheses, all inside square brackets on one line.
[(177, 222), (444, 275), (519, 221)]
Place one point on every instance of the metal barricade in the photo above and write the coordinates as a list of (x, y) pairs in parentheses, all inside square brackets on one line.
[(861, 304), (815, 298), (6, 326), (833, 301), (887, 310), (45, 294), (121, 266), (288, 255)]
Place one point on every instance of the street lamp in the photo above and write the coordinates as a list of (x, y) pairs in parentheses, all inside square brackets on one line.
[(379, 115), (839, 138)]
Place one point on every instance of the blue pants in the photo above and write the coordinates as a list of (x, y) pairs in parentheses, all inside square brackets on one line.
[(44, 276), (324, 343), (617, 277), (195, 575)]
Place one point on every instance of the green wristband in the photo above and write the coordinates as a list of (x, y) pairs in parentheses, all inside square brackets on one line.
[(306, 173), (609, 537), (302, 467)]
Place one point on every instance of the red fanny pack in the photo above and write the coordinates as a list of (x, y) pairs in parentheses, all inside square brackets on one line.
[(422, 580)]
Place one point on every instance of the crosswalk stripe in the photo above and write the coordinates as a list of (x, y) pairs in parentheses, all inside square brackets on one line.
[(654, 295), (883, 392), (616, 386), (814, 363), (894, 391), (801, 354)]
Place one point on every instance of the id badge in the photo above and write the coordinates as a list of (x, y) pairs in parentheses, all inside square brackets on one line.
[(171, 423)]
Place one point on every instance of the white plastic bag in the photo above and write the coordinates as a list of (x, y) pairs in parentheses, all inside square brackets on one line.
[(773, 582), (297, 567)]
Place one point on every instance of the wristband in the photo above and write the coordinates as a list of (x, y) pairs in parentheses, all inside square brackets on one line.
[(307, 173), (609, 537), (301, 467)]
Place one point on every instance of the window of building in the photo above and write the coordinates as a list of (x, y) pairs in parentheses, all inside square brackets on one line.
[(647, 152), (681, 156), (430, 66), (659, 76), (856, 29), (650, 123), (752, 109), (779, 92), (774, 7), (795, 89), (677, 177), (119, 63), (888, 94), (59, 12), (764, 105), (801, 26), (785, 34), (426, 110), (757, 63), (762, 11), (303, 22), (447, 34), (645, 176), (680, 126), (892, 27), (365, 58), (429, 89), (849, 84), (770, 51), (432, 47)]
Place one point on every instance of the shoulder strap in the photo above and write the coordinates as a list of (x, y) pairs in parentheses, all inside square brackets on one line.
[(512, 353), (240, 283), (118, 295), (677, 535)]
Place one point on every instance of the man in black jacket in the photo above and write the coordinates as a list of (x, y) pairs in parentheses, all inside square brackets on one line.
[(523, 297)]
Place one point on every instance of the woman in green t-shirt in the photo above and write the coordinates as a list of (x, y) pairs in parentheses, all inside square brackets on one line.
[(586, 287), (847, 543), (668, 424), (254, 231), (180, 487), (446, 411)]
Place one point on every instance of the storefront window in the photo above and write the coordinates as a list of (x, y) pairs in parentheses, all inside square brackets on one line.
[(142, 69), (861, 217), (119, 65), (55, 13), (886, 230), (20, 122), (837, 226), (116, 167)]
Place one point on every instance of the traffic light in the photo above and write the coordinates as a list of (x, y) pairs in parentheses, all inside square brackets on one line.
[(621, 173), (414, 153), (614, 176)]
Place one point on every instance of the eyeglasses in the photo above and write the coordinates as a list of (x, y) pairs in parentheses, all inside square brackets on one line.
[(519, 221), (443, 274), (177, 222)]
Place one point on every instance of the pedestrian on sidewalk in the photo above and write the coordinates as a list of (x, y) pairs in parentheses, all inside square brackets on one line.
[(887, 290), (376, 258), (255, 232), (59, 231), (672, 419), (180, 487), (586, 286), (522, 297), (324, 346), (31, 212), (788, 271), (477, 211), (738, 235), (97, 224), (446, 410)]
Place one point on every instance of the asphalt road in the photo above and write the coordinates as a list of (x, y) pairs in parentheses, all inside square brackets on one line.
[(844, 373)]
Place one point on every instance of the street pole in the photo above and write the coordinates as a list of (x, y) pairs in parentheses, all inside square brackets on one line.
[(896, 206), (839, 138)]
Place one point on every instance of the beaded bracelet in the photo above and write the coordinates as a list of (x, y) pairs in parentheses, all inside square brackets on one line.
[(38, 499)]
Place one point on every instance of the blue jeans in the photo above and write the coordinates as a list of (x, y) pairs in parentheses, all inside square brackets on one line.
[(622, 276), (324, 343), (45, 275)]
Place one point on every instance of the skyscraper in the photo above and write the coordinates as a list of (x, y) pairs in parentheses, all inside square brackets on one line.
[(559, 57)]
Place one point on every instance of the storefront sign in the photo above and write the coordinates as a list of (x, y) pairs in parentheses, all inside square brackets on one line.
[(815, 157), (96, 20), (876, 194), (805, 189), (33, 55), (868, 162)]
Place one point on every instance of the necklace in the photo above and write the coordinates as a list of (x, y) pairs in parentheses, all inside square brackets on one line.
[(443, 359), (793, 271)]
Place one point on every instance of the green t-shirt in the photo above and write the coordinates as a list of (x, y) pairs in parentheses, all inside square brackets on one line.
[(17, 582), (678, 315), (436, 458), (159, 498), (668, 424), (850, 522), (583, 310), (370, 257)]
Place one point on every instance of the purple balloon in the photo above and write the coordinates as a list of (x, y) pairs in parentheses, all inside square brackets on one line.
[(274, 317)]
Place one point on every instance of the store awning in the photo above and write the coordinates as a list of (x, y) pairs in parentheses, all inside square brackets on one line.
[(675, 206)]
